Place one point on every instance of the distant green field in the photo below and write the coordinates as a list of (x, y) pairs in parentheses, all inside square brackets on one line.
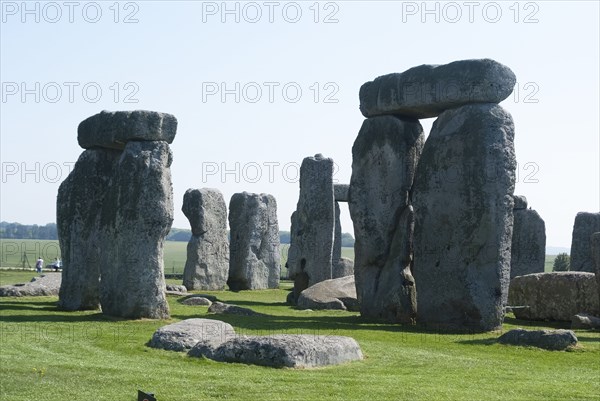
[(19, 253)]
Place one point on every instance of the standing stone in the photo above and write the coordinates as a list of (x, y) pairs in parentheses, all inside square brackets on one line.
[(255, 261), (313, 225), (463, 227), (207, 264), (78, 205), (384, 160), (596, 255), (520, 202), (428, 90), (340, 192), (581, 254), (340, 267), (136, 217), (528, 250)]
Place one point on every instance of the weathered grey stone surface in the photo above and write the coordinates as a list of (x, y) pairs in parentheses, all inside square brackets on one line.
[(554, 340), (45, 285), (78, 206), (384, 160), (313, 225), (114, 129), (340, 192), (207, 263), (581, 252), (596, 256), (284, 350), (585, 321), (184, 335), (339, 293), (176, 293), (226, 309), (520, 202), (428, 90), (554, 296), (528, 249), (254, 261), (211, 298), (136, 217), (344, 267), (176, 287), (197, 301), (463, 204)]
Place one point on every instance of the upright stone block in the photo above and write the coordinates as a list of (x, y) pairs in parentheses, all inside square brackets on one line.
[(596, 256), (78, 205), (463, 202), (207, 263), (581, 254), (528, 250), (384, 161), (136, 217), (254, 261), (313, 225)]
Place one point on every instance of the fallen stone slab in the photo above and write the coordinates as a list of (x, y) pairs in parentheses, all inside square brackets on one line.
[(339, 293), (176, 287), (585, 321), (45, 285), (428, 90), (554, 340), (176, 293), (184, 335), (113, 129), (226, 309), (553, 296), (283, 350), (196, 301)]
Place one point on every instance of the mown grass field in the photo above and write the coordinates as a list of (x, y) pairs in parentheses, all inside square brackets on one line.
[(48, 354)]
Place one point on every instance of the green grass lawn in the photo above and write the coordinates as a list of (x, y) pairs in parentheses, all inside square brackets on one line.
[(48, 354)]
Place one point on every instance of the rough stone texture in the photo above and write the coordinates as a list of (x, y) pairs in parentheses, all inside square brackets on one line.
[(344, 267), (176, 287), (339, 293), (554, 296), (45, 285), (211, 298), (311, 250), (340, 192), (197, 301), (284, 350), (136, 217), (428, 90), (78, 205), (184, 335), (584, 321), (114, 129), (226, 309), (176, 293), (596, 256), (581, 252), (255, 261), (528, 250), (554, 340), (463, 203), (207, 264), (384, 159), (520, 202)]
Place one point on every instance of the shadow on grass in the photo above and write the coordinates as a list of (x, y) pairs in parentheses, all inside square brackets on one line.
[(537, 323)]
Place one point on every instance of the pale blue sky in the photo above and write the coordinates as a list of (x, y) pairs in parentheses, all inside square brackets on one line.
[(177, 51)]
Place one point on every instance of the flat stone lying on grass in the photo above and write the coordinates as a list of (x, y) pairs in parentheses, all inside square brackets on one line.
[(196, 301), (554, 340), (176, 293), (176, 287), (226, 309), (46, 285), (339, 293), (184, 335), (585, 321), (284, 350), (553, 296)]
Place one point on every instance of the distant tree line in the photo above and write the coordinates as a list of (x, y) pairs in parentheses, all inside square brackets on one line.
[(22, 231)]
